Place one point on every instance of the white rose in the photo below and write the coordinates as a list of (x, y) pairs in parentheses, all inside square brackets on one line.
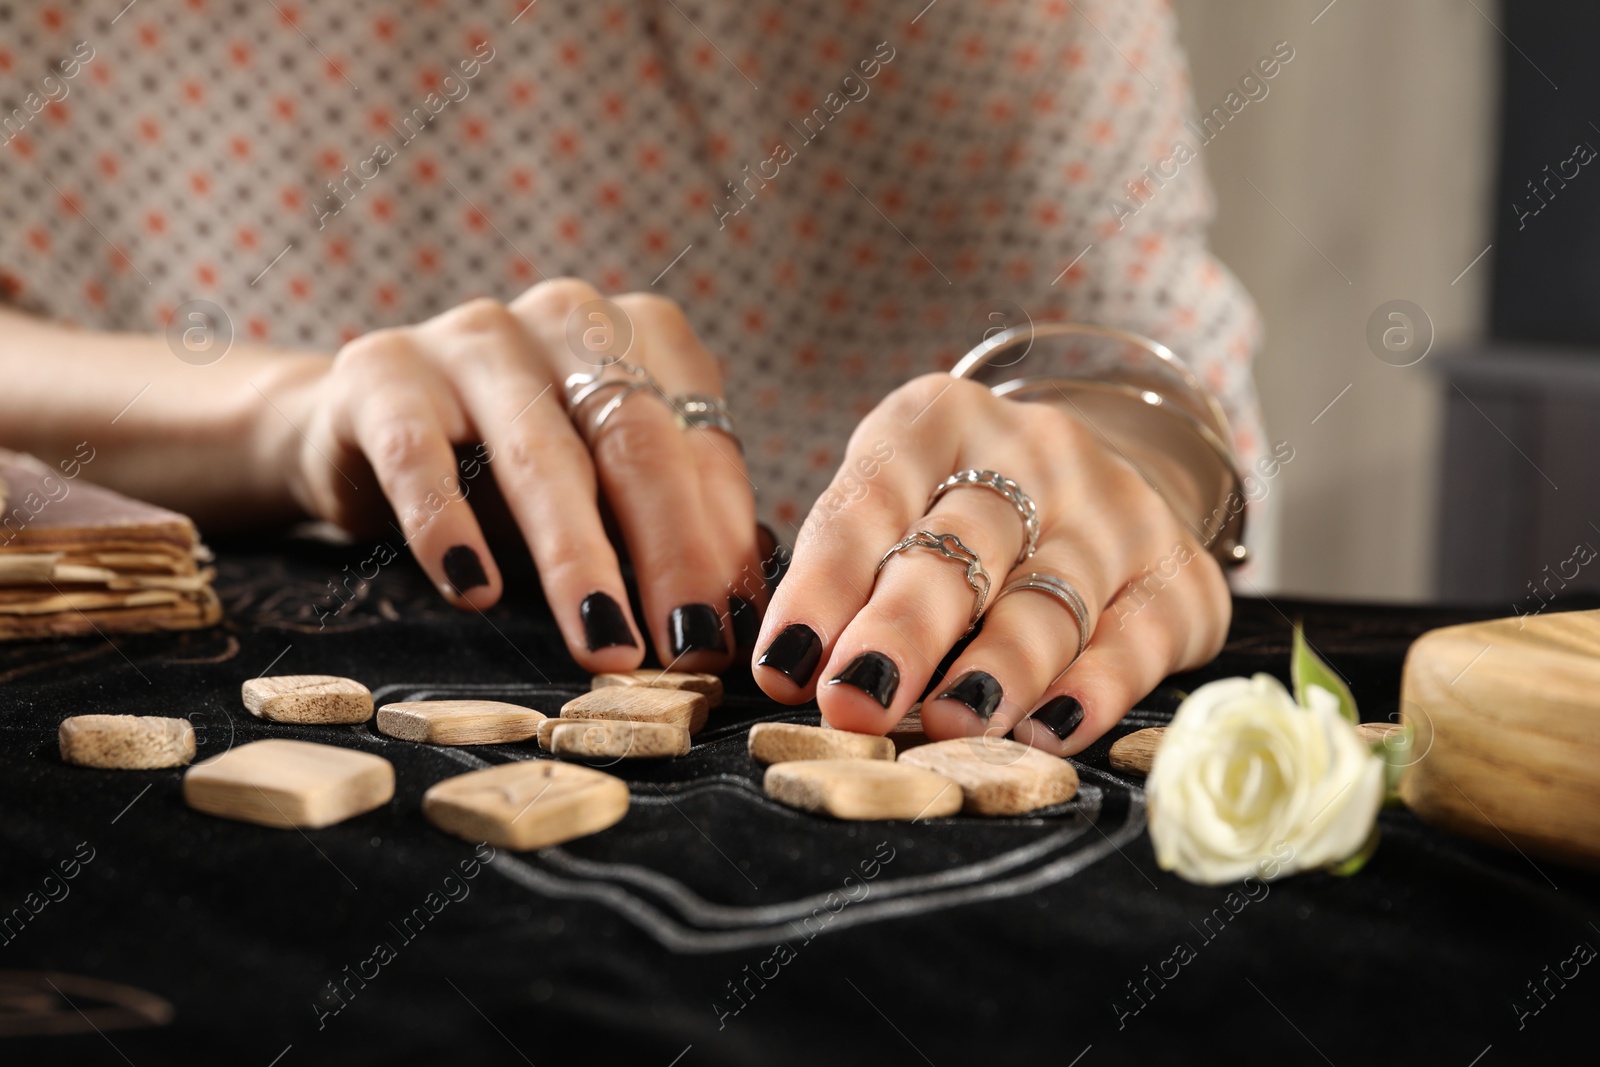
[(1244, 771)]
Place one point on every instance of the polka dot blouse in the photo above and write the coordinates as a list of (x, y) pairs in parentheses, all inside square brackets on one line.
[(834, 191)]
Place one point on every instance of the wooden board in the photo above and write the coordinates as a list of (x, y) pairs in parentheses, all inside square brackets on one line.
[(997, 776), (284, 783), (126, 742), (707, 685), (307, 698), (639, 704), (617, 739), (459, 722), (526, 805), (1507, 744), (782, 742), (862, 789)]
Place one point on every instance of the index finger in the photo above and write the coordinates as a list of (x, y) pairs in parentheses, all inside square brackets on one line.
[(546, 476)]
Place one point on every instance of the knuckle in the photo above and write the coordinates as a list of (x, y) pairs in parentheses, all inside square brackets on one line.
[(376, 352), (662, 316), (567, 561), (1058, 431), (863, 502), (481, 316), (521, 452), (556, 297), (879, 504), (655, 308), (1149, 508), (399, 444), (631, 442), (867, 437), (914, 397), (1134, 497), (525, 452), (670, 330), (1164, 647)]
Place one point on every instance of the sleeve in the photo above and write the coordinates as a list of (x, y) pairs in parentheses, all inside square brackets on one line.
[(1132, 171)]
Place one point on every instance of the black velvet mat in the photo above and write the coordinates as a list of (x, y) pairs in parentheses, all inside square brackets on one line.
[(711, 925)]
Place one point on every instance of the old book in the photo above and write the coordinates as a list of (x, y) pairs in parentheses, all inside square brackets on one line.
[(76, 558)]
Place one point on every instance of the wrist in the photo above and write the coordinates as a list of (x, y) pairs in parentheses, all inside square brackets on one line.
[(282, 413)]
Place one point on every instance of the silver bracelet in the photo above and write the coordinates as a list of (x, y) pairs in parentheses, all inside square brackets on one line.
[(1146, 387)]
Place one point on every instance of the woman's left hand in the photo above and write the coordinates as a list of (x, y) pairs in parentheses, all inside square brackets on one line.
[(867, 643)]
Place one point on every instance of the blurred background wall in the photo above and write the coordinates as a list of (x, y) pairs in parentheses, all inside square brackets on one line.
[(1364, 176)]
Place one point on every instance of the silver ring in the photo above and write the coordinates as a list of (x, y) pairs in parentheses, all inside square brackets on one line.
[(999, 483), (1049, 583), (620, 398), (580, 387), (949, 546), (702, 411)]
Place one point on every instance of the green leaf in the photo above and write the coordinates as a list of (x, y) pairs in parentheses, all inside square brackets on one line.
[(1396, 752), (1307, 669), (1351, 864)]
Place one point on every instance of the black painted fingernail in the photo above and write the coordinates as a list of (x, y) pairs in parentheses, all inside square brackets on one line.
[(696, 628), (978, 691), (604, 625), (1061, 716), (874, 674), (794, 653), (464, 569), (746, 621)]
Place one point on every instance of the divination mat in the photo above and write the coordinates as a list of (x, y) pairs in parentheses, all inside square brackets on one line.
[(710, 923)]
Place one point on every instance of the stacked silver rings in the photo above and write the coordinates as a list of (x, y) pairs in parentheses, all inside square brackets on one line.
[(690, 410), (1053, 586), (1013, 494), (580, 388)]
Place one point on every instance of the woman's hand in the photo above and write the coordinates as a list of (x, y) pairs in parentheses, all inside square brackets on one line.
[(867, 643), (380, 424)]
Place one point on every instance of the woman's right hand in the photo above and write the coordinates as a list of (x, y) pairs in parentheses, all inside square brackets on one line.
[(379, 428)]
